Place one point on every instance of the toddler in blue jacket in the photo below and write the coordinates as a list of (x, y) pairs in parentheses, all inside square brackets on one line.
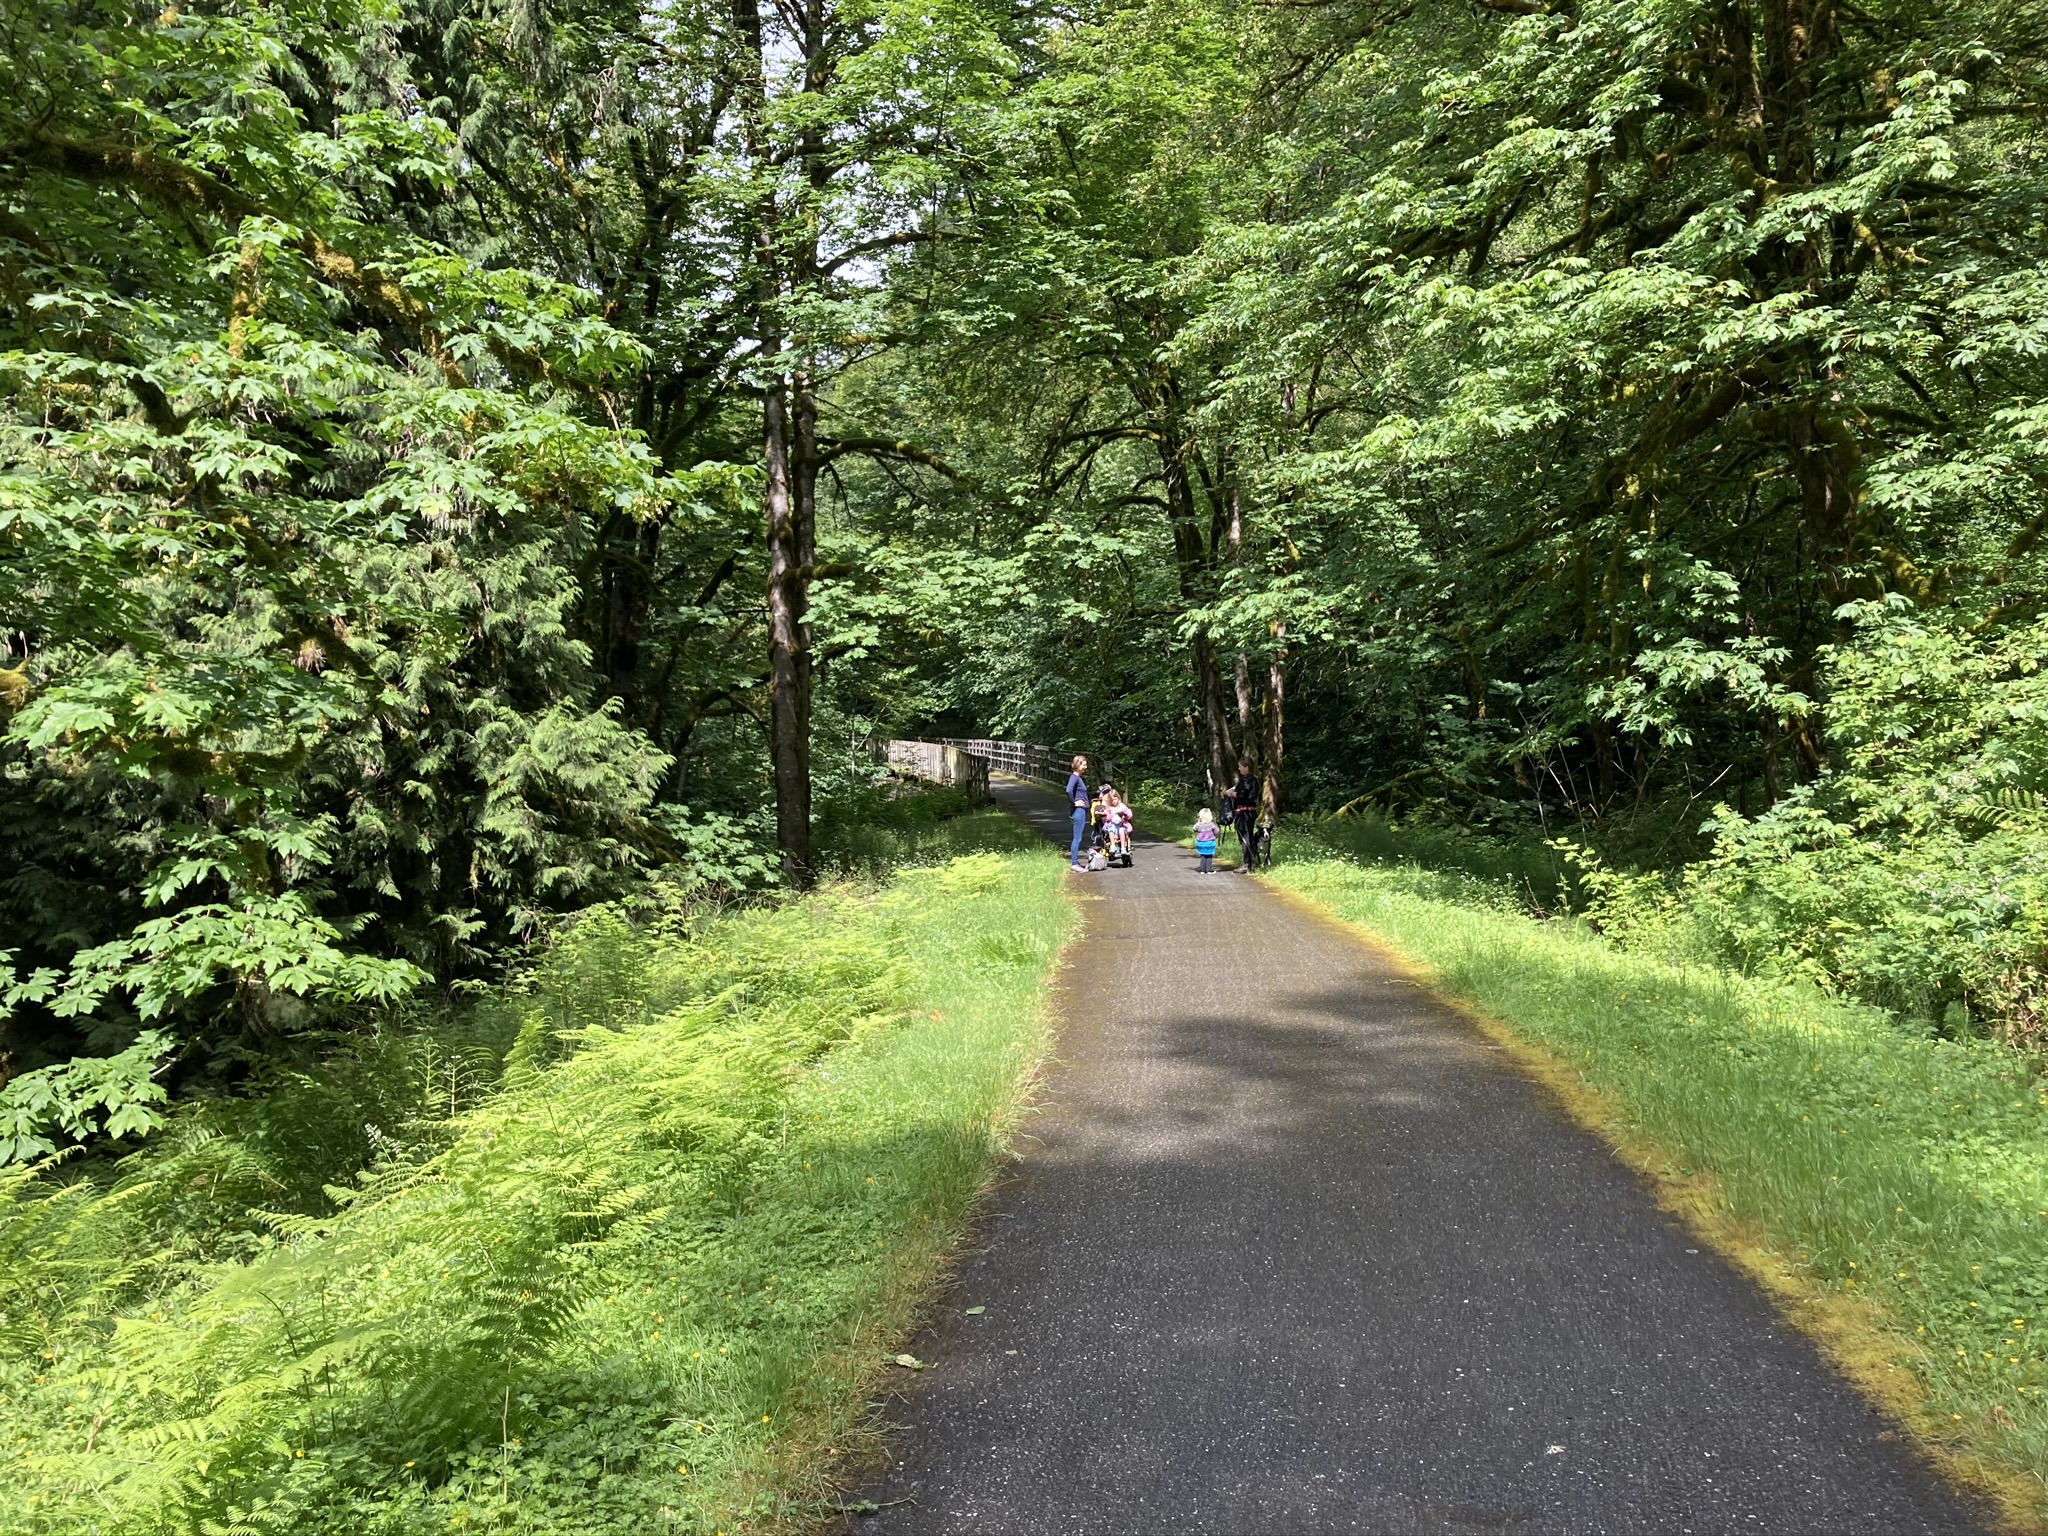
[(1205, 840)]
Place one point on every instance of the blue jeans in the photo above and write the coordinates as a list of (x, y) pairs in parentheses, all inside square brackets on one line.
[(1080, 832)]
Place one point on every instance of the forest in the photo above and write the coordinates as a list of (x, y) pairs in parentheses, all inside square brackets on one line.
[(476, 475)]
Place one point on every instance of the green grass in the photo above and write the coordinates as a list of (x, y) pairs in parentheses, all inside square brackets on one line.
[(872, 831), (1874, 1163), (645, 1285), (1523, 863)]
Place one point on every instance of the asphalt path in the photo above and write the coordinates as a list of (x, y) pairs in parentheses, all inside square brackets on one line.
[(1291, 1248)]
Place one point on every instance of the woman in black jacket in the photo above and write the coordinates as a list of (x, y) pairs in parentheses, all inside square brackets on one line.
[(1241, 805)]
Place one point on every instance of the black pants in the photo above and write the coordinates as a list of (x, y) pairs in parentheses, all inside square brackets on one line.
[(1243, 821)]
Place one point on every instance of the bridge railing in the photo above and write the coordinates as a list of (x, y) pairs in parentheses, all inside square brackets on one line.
[(1017, 758), (968, 760), (939, 762), (1027, 760)]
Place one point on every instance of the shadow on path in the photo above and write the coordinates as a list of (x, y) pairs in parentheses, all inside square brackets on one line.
[(1292, 1249)]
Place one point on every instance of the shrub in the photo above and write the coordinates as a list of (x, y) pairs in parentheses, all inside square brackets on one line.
[(1913, 874)]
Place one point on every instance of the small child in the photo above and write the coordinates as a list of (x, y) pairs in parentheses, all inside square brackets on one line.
[(1117, 822), (1205, 840)]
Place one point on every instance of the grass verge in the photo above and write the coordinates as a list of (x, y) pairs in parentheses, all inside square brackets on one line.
[(889, 1149), (646, 1285), (1891, 1190), (869, 832)]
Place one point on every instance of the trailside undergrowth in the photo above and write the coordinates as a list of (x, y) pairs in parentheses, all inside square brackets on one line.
[(867, 831), (1891, 1166), (640, 1286)]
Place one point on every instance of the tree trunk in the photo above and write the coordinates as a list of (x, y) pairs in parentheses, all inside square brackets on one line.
[(628, 551), (1247, 711), (1222, 755), (789, 456), (789, 700), (1191, 560), (1276, 725), (803, 486), (1603, 759)]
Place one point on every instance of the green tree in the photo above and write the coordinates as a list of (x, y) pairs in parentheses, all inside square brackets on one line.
[(1539, 381), (1626, 343), (729, 179), (289, 529), (1057, 367)]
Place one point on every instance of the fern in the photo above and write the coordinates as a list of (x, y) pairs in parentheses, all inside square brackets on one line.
[(66, 1257), (2007, 808), (371, 1343)]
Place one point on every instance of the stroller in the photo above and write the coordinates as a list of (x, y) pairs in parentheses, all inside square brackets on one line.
[(1113, 841)]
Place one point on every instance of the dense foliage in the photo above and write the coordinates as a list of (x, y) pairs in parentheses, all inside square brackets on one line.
[(379, 561), (453, 451), (459, 458), (292, 509), (1549, 417), (1556, 374), (465, 464)]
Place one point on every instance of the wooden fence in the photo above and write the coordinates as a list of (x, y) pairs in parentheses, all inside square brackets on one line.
[(1017, 758)]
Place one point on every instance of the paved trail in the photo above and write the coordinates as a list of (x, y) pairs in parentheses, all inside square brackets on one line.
[(1291, 1249)]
